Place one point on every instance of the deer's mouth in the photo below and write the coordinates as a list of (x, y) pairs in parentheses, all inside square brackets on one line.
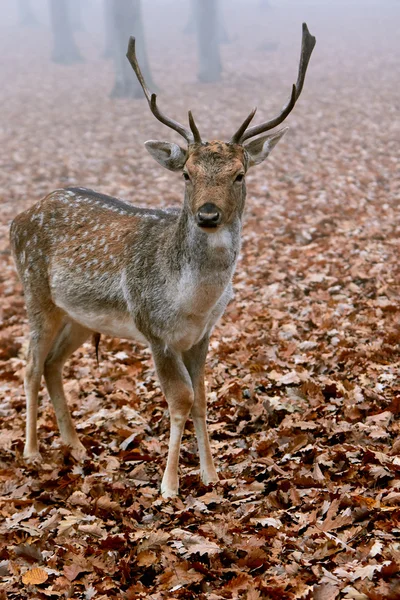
[(208, 227)]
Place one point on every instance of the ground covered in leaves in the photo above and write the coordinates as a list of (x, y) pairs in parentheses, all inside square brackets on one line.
[(303, 387)]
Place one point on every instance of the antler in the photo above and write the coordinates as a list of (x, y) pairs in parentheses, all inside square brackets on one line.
[(192, 136), (243, 134)]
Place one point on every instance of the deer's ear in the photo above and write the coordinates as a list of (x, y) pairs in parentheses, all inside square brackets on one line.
[(171, 156), (259, 149)]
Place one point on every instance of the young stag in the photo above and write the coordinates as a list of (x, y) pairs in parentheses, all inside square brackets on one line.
[(91, 263)]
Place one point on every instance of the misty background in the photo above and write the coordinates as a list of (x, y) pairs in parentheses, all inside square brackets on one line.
[(70, 124)]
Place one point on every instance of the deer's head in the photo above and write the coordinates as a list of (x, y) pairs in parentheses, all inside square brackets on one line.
[(214, 172)]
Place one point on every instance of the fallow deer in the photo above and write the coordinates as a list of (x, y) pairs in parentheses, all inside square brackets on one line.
[(90, 263)]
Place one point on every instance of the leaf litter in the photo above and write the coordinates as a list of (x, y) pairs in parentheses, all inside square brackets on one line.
[(303, 370)]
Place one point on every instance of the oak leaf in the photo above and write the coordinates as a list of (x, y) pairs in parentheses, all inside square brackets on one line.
[(158, 538), (189, 543), (175, 578), (326, 592), (71, 572)]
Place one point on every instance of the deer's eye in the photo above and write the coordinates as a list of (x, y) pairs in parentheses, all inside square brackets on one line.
[(186, 176), (239, 178)]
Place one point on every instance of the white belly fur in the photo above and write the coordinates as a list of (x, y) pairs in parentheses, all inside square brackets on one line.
[(113, 324)]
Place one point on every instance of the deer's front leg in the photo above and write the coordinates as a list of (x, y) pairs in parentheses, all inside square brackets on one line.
[(194, 360), (177, 387)]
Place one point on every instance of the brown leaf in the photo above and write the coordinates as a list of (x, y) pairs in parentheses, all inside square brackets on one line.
[(325, 592), (146, 558), (72, 571), (179, 576), (238, 583), (158, 538), (78, 498), (335, 521), (29, 552), (189, 543), (92, 529), (105, 503), (35, 576)]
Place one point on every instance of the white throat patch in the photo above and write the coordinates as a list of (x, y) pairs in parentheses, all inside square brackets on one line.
[(220, 239)]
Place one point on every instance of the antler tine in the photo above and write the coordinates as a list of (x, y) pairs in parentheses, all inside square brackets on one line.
[(307, 46), (235, 139), (194, 128), (152, 98)]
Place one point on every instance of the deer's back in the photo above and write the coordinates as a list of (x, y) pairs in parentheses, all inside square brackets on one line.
[(74, 244)]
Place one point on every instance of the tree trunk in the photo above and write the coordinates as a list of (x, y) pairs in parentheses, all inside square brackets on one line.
[(126, 21), (65, 50), (223, 36), (108, 9), (75, 13), (191, 26), (26, 15), (208, 41), (265, 4)]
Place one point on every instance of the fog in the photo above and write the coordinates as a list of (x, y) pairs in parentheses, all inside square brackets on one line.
[(357, 44)]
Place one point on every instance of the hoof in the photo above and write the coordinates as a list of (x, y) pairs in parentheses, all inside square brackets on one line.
[(32, 457), (209, 478), (78, 452), (169, 492)]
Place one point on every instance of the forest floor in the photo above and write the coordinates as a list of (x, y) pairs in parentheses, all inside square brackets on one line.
[(303, 369)]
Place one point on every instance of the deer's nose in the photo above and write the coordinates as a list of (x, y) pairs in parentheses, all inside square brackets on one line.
[(208, 215)]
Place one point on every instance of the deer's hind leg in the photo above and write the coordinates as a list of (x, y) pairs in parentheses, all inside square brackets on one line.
[(70, 337), (44, 328)]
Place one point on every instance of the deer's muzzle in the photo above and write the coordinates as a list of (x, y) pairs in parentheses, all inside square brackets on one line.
[(208, 215)]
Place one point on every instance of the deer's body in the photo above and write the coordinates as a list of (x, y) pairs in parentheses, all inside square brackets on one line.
[(91, 263), (125, 271)]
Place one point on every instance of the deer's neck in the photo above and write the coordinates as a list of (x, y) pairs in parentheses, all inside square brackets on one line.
[(208, 254)]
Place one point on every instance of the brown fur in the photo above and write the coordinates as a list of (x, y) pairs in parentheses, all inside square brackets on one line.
[(212, 168)]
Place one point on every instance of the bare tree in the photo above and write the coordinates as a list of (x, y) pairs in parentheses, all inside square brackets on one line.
[(65, 50), (208, 40), (108, 8), (191, 27), (126, 20), (26, 14), (75, 11), (223, 35)]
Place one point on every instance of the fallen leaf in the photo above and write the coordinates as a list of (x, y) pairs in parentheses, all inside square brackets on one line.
[(35, 576)]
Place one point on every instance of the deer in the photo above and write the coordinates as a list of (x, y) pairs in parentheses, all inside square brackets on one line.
[(91, 264)]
